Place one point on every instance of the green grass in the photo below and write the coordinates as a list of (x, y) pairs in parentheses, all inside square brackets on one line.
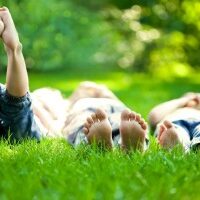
[(52, 169)]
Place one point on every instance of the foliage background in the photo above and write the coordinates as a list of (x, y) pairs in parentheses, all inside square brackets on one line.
[(66, 42), (155, 36)]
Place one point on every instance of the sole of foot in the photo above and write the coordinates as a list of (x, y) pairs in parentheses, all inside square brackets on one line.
[(98, 130), (133, 130), (168, 135)]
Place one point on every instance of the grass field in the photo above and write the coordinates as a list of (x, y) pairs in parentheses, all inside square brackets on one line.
[(52, 169)]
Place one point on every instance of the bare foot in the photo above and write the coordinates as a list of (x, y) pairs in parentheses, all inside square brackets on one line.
[(133, 131), (168, 135), (98, 130)]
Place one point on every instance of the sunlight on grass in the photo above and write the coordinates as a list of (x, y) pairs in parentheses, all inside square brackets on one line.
[(173, 70), (52, 169), (115, 81)]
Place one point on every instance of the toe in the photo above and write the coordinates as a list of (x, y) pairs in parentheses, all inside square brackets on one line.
[(94, 117), (90, 120), (138, 117), (132, 116), (141, 122), (87, 125), (101, 114), (144, 125), (162, 128), (168, 124), (85, 130), (125, 115)]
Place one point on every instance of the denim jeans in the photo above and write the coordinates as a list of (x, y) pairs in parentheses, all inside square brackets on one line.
[(192, 128), (16, 117)]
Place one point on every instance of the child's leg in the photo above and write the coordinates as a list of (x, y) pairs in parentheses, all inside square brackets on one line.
[(52, 101), (16, 115), (52, 126), (16, 78)]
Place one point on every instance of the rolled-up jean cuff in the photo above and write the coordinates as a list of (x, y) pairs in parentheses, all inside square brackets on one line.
[(195, 143), (14, 99)]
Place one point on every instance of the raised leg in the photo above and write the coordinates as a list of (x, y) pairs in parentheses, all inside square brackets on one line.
[(16, 78)]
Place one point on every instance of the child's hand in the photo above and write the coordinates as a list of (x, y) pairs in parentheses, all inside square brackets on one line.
[(192, 100), (9, 34)]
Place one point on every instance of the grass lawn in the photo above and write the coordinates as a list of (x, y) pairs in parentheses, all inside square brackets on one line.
[(52, 169)]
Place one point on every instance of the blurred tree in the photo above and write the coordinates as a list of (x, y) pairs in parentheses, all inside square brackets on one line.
[(158, 36), (58, 34)]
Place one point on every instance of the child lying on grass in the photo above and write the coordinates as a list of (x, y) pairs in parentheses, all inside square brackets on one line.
[(93, 114), (84, 122), (178, 122)]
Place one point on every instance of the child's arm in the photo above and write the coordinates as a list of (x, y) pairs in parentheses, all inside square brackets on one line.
[(17, 77), (162, 110)]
